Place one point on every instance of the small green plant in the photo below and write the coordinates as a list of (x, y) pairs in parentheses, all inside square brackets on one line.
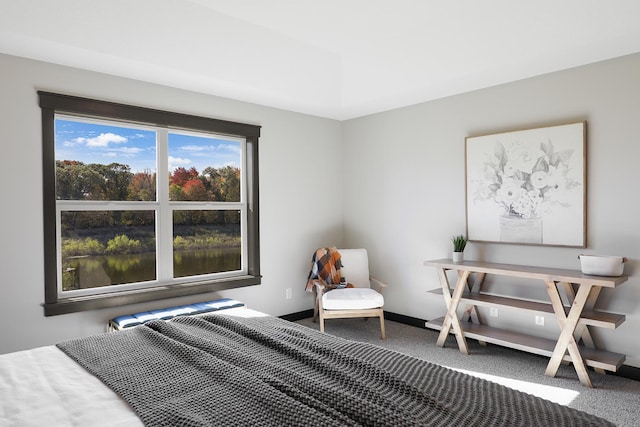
[(122, 244), (459, 243)]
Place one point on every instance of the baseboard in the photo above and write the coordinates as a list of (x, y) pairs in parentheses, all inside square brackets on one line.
[(400, 318), (625, 371), (407, 320), (298, 316)]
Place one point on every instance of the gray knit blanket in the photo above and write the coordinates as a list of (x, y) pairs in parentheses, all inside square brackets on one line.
[(219, 370)]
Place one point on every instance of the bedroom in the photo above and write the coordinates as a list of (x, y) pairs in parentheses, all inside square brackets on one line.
[(399, 176)]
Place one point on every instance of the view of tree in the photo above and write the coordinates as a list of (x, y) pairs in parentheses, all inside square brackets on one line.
[(230, 184), (194, 190), (142, 186), (79, 181), (76, 180), (180, 176)]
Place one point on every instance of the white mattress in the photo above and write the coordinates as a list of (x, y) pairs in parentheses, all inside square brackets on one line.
[(44, 387)]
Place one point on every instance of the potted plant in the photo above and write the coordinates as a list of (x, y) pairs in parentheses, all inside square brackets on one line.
[(459, 243)]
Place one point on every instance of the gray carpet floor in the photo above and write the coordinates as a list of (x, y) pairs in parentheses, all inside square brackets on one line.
[(614, 398)]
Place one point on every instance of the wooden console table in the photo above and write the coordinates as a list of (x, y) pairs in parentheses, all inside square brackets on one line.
[(581, 291)]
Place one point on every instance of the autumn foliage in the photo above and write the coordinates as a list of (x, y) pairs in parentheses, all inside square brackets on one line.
[(79, 181)]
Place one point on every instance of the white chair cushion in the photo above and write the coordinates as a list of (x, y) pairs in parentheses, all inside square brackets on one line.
[(352, 299), (355, 267)]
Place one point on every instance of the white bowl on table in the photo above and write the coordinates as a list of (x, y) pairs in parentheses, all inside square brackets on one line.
[(599, 265)]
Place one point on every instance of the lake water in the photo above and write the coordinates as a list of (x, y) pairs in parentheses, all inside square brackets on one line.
[(106, 270)]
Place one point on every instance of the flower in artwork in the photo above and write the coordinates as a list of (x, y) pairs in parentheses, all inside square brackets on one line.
[(510, 191), (526, 180), (523, 158), (539, 179)]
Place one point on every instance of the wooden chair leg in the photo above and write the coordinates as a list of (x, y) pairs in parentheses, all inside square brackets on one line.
[(382, 331), (315, 305)]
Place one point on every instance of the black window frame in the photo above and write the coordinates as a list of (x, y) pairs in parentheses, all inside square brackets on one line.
[(52, 104)]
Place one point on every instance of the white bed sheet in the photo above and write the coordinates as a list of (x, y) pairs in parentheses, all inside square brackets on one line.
[(44, 387)]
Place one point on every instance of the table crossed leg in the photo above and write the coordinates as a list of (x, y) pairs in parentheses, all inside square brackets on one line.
[(451, 318), (582, 331), (471, 312), (568, 324)]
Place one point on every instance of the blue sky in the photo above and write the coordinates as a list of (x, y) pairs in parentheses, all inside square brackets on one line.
[(136, 147)]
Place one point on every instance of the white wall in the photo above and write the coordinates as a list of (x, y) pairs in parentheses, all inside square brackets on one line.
[(405, 187), (296, 217)]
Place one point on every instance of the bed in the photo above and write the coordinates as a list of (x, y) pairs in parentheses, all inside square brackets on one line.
[(242, 367)]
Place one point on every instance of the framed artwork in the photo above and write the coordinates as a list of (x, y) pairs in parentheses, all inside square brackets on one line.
[(528, 186)]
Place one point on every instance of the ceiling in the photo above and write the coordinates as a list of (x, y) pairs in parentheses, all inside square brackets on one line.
[(332, 58)]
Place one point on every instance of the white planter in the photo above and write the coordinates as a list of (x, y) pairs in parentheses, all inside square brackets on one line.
[(458, 256)]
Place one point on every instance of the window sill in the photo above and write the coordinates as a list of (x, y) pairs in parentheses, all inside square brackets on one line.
[(72, 305)]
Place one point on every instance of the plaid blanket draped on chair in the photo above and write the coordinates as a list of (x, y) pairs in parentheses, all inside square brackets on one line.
[(325, 268)]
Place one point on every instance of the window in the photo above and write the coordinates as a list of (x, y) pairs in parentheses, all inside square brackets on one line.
[(143, 204)]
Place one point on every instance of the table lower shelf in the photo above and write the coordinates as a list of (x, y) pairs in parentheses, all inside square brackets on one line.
[(600, 319), (595, 358)]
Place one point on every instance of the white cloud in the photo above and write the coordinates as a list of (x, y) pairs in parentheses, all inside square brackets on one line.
[(102, 140), (175, 162), (234, 148), (130, 150), (197, 148)]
